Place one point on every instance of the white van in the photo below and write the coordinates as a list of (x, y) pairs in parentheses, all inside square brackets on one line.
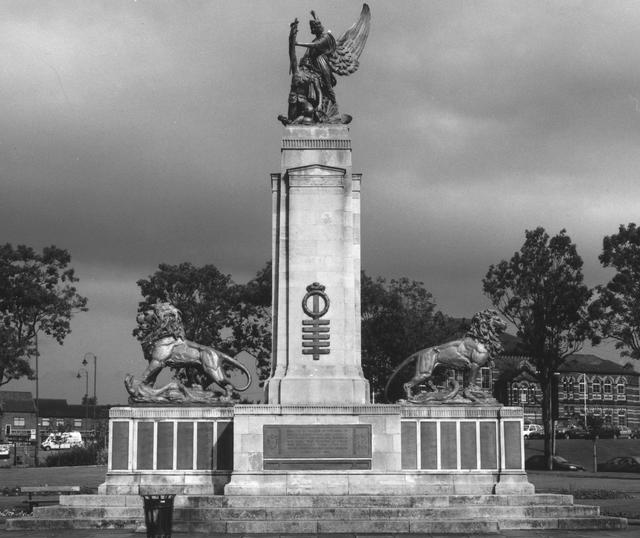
[(61, 440)]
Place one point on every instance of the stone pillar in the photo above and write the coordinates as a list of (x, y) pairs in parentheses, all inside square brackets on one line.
[(316, 271)]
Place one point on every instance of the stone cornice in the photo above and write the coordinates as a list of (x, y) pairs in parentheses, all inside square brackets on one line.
[(171, 412), (316, 143)]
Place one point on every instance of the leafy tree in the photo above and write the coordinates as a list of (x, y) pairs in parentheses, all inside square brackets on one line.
[(252, 320), (595, 425), (37, 296), (540, 291), (398, 318), (216, 311), (617, 308)]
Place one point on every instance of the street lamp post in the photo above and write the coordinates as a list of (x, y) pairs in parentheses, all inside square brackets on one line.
[(37, 445), (86, 393), (85, 362), (584, 400)]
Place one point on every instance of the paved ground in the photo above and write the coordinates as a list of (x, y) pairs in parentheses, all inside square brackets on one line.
[(631, 532)]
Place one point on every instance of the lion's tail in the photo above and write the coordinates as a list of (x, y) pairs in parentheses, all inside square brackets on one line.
[(411, 357), (240, 367)]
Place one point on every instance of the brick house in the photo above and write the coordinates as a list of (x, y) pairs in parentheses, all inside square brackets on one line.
[(18, 416), (586, 384)]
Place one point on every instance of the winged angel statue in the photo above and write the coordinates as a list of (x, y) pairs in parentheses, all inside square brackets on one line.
[(312, 99)]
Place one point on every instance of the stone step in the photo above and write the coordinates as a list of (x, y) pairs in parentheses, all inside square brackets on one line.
[(323, 513), (224, 529), (34, 523), (328, 501)]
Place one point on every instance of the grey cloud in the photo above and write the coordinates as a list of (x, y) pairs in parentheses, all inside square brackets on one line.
[(135, 133)]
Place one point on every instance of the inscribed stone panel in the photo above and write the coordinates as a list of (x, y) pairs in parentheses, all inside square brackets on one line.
[(512, 444), (429, 445), (468, 446), (164, 458), (408, 444), (224, 447), (204, 455), (488, 453), (185, 446), (448, 445), (120, 444), (145, 446), (317, 441)]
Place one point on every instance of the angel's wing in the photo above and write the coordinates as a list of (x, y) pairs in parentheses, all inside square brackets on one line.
[(349, 47)]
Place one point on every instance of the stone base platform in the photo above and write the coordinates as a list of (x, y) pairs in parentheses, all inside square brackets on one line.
[(320, 470), (377, 450), (328, 514), (188, 450)]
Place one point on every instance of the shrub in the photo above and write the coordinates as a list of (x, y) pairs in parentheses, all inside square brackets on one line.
[(74, 456)]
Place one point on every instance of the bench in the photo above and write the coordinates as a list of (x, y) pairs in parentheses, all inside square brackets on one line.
[(46, 490)]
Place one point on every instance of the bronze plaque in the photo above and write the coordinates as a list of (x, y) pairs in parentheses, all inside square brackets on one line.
[(317, 441)]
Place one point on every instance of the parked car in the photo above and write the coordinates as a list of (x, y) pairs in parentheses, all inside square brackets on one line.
[(621, 464), (530, 429), (607, 432), (624, 432), (539, 463), (635, 434), (575, 433), (5, 451)]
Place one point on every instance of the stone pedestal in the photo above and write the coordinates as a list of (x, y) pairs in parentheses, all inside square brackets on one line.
[(377, 450), (316, 241), (185, 450)]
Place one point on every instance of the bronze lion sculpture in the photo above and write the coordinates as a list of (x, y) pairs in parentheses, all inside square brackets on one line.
[(469, 354), (164, 345)]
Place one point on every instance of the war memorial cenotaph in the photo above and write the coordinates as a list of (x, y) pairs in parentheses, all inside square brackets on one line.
[(318, 457)]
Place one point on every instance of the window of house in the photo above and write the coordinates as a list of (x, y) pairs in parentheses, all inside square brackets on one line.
[(18, 421), (620, 387), (59, 422), (622, 417), (596, 386), (532, 394), (567, 385), (514, 395), (608, 386), (524, 392), (45, 422), (77, 423)]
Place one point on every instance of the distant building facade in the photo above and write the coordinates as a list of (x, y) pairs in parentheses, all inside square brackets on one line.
[(18, 416), (587, 386)]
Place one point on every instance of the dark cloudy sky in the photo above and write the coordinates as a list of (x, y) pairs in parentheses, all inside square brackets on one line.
[(135, 133)]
